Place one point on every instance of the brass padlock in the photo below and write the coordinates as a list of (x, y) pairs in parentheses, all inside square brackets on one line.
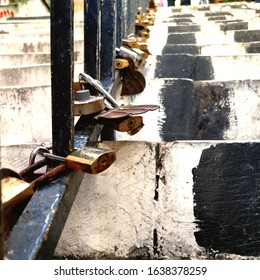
[(121, 63), (89, 159)]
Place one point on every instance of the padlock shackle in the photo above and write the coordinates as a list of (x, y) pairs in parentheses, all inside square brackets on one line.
[(97, 85)]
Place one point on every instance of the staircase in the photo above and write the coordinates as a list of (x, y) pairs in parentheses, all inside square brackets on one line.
[(187, 185)]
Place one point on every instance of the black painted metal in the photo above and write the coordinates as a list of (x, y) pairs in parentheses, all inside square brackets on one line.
[(62, 71), (119, 12), (38, 229), (107, 43), (1, 226), (131, 7), (91, 37)]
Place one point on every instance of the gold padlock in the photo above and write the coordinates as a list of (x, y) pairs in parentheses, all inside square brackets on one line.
[(121, 63)]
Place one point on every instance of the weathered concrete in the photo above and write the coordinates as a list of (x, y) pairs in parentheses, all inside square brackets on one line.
[(22, 59), (216, 49), (210, 110), (25, 115), (8, 60), (31, 75), (149, 215), (226, 201), (119, 220), (208, 67), (207, 38), (36, 45)]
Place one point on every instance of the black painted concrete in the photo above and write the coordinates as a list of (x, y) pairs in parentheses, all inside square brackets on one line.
[(226, 198), (194, 110), (181, 38), (184, 49), (247, 36), (175, 66), (184, 28), (234, 26)]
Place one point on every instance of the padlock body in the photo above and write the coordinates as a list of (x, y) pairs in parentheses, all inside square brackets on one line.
[(90, 160)]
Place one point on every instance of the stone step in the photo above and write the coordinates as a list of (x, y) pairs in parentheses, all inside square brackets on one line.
[(237, 7), (210, 38), (213, 110), (200, 67), (32, 75), (202, 191), (215, 49), (25, 115), (8, 60), (31, 26), (220, 26), (212, 17), (33, 46)]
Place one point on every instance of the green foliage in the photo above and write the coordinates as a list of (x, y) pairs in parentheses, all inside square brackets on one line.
[(18, 1)]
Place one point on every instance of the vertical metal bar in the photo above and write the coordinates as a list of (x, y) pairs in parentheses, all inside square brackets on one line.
[(1, 225), (62, 72), (91, 38), (107, 44), (119, 25), (131, 12)]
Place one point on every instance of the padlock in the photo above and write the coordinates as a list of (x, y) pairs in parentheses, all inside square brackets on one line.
[(139, 61), (16, 192), (134, 44), (121, 63), (89, 159), (140, 53), (130, 42), (125, 124), (15, 196), (85, 104)]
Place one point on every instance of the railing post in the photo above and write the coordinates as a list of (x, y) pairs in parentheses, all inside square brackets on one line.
[(119, 25), (92, 38), (62, 74), (108, 42), (1, 225)]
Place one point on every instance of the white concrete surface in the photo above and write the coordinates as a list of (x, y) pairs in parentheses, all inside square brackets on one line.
[(115, 212), (25, 115), (31, 75), (231, 67)]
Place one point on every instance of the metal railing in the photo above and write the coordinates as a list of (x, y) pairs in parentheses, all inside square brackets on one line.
[(106, 22)]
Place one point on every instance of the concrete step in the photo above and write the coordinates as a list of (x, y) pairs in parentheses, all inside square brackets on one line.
[(28, 26), (197, 187), (8, 60), (25, 115), (218, 26), (36, 45), (32, 75), (196, 110), (215, 49), (199, 67), (210, 38)]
